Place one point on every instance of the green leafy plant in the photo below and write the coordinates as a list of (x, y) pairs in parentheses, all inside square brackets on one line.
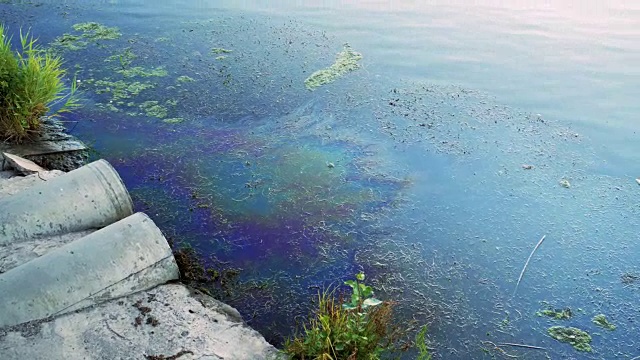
[(30, 84), (423, 351), (360, 329)]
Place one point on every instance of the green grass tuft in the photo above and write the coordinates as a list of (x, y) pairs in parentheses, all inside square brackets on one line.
[(30, 84), (360, 329)]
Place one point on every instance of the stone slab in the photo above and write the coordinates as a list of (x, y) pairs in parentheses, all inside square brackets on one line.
[(44, 147), (165, 321), (22, 165)]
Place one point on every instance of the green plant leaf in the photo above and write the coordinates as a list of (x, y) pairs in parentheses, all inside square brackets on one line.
[(366, 291), (371, 302), (352, 283), (355, 299), (360, 276), (348, 306)]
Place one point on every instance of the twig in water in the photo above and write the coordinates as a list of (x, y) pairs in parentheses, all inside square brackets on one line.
[(501, 350), (527, 264), (523, 346)]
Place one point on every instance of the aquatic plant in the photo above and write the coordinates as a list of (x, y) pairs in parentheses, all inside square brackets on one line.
[(221, 51), (120, 89), (361, 328), (154, 109), (556, 313), (184, 79), (346, 61), (89, 31), (30, 84), (96, 31), (423, 351), (124, 59), (140, 71), (579, 339), (602, 321), (173, 120)]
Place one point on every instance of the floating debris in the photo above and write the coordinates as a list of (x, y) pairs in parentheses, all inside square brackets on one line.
[(602, 321), (346, 61), (579, 339), (527, 167), (565, 183), (638, 181), (629, 278), (524, 268)]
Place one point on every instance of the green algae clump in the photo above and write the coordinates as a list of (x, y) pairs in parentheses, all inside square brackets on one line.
[(184, 79), (142, 72), (120, 89), (556, 314), (70, 42), (346, 61), (221, 51), (91, 31), (152, 108), (95, 31), (579, 339), (602, 321), (173, 120)]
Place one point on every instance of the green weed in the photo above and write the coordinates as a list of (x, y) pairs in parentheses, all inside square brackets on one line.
[(30, 84), (423, 350), (358, 329)]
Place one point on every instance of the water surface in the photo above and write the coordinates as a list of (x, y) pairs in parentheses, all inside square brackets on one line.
[(410, 168)]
